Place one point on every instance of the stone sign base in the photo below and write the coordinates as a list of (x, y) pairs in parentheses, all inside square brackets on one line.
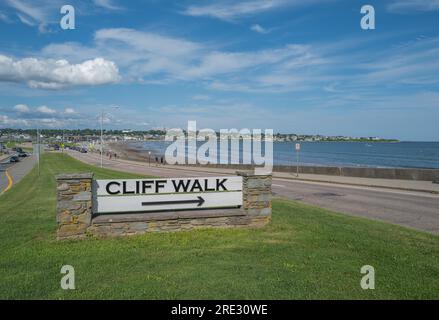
[(76, 220), (124, 225)]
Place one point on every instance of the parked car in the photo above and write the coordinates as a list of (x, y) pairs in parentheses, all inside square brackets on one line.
[(22, 154), (14, 159), (83, 150)]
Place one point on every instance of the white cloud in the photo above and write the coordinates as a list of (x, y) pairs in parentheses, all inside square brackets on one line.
[(407, 6), (228, 10), (259, 29), (45, 14), (217, 62), (147, 42), (68, 117), (107, 4), (26, 20), (5, 120), (32, 11), (69, 111), (36, 12), (171, 58), (46, 110), (56, 74), (72, 51), (414, 63), (21, 108), (4, 18), (201, 97), (151, 58)]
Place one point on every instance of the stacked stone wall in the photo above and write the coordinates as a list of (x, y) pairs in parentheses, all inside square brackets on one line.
[(74, 205), (116, 229)]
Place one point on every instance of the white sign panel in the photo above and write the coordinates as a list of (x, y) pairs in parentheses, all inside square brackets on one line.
[(175, 185), (118, 196), (297, 146), (165, 202)]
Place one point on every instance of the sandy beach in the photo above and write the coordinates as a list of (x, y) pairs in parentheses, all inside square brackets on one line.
[(126, 151)]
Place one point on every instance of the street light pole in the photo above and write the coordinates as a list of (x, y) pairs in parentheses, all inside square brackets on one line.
[(297, 147), (102, 135), (102, 138), (39, 150)]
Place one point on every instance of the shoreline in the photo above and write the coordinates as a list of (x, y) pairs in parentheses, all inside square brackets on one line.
[(127, 151), (123, 150)]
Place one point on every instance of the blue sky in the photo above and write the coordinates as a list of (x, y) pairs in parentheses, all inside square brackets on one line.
[(289, 65)]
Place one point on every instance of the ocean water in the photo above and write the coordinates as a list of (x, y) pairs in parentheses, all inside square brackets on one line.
[(356, 154)]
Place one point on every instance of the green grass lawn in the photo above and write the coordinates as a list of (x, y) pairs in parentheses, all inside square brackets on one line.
[(305, 253)]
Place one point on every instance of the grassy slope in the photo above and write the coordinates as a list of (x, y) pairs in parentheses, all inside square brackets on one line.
[(305, 252)]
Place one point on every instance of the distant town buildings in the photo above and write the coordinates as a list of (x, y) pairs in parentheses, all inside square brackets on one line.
[(91, 135), (322, 138)]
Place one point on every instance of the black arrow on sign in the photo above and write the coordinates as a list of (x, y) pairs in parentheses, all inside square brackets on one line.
[(200, 202)]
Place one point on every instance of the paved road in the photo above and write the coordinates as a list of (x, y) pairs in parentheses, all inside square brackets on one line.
[(411, 209), (11, 173), (418, 210)]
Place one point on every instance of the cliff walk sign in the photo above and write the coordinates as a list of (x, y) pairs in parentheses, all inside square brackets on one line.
[(118, 196), (112, 208)]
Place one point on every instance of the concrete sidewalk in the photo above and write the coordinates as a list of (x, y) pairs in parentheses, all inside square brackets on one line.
[(144, 168)]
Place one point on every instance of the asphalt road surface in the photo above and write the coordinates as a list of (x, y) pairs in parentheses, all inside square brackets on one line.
[(411, 209), (418, 210), (11, 173)]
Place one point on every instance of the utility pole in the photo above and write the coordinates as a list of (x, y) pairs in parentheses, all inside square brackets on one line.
[(38, 150), (102, 138), (62, 142), (102, 134)]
